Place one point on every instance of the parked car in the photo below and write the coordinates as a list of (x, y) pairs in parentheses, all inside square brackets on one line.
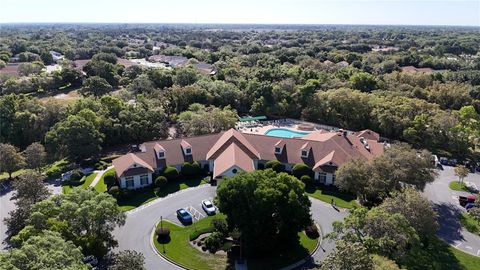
[(452, 162), (469, 205), (91, 260), (443, 160), (184, 216), (465, 200), (208, 207)]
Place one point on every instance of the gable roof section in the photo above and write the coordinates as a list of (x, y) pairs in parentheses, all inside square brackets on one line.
[(233, 155), (124, 163), (232, 136), (369, 134), (331, 159)]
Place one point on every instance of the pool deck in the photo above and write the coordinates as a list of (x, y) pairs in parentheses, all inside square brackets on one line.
[(263, 129)]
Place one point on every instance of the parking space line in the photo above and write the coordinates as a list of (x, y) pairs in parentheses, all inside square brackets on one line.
[(478, 252), (469, 247), (457, 245)]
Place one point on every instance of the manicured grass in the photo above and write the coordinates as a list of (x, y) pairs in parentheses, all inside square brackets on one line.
[(85, 182), (180, 250), (56, 169), (140, 197), (469, 223), (14, 174), (101, 186), (341, 199), (440, 256), (458, 186)]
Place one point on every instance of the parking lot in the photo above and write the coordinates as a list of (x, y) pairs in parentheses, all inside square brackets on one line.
[(194, 209)]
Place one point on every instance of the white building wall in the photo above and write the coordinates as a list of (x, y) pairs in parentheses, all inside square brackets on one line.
[(136, 182)]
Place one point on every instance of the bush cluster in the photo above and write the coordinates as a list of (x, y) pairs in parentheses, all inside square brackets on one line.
[(300, 170), (275, 165), (171, 173), (214, 242), (161, 181), (191, 169)]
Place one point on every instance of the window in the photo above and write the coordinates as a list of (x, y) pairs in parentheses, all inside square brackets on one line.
[(234, 171), (333, 178), (322, 177), (278, 150), (188, 151), (129, 181), (161, 154), (304, 153), (143, 179)]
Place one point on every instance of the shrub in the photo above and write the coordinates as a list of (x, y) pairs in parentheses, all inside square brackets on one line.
[(307, 180), (300, 170), (275, 165), (312, 231), (214, 242), (161, 181), (162, 233), (220, 226), (190, 169), (76, 176), (109, 178), (171, 173), (114, 191)]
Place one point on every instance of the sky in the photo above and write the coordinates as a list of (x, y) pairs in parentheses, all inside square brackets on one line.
[(385, 12)]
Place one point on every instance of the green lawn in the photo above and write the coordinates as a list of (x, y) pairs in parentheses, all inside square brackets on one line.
[(179, 249), (14, 174), (140, 197), (458, 186), (85, 182), (469, 223), (101, 186), (341, 199), (440, 256)]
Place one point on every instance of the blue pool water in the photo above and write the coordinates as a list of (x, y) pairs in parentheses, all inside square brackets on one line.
[(284, 133)]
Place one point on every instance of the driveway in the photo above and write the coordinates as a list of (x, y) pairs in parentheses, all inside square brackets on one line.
[(446, 203), (136, 233), (7, 205)]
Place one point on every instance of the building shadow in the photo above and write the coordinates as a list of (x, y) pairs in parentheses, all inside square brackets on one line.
[(448, 218)]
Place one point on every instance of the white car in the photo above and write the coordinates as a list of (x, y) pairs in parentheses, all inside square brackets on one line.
[(208, 207)]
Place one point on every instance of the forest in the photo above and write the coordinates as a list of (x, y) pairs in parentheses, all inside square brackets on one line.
[(420, 85)]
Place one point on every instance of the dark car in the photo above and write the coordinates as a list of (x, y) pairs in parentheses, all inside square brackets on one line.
[(465, 200), (184, 216)]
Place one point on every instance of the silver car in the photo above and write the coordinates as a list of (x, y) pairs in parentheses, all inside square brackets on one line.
[(208, 207)]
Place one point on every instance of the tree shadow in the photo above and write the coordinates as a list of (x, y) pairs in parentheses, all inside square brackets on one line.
[(449, 221), (437, 255)]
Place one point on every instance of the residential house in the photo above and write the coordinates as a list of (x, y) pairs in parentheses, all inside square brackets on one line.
[(231, 152)]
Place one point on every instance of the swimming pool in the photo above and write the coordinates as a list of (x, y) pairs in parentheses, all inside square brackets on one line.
[(284, 133)]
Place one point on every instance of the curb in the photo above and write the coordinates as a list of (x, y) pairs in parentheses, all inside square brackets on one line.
[(158, 200), (152, 245)]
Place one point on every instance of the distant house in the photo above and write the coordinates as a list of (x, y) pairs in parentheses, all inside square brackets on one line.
[(412, 69), (343, 64), (56, 56), (171, 60), (11, 69), (79, 64), (231, 152)]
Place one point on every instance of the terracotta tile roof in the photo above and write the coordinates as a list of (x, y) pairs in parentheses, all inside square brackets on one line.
[(126, 162), (233, 155)]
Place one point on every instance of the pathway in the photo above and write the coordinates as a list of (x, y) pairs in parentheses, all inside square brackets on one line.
[(98, 176)]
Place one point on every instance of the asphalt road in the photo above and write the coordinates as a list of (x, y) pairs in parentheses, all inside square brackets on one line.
[(136, 233), (7, 205), (446, 203)]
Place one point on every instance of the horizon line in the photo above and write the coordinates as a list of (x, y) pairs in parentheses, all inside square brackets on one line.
[(243, 23)]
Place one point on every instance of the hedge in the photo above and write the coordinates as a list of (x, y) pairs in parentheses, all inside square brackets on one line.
[(275, 165), (161, 181), (190, 169), (300, 170), (171, 173)]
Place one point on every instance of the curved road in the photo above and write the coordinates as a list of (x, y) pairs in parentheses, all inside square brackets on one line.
[(446, 203), (136, 233)]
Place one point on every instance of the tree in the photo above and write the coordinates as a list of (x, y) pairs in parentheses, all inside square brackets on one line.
[(96, 86), (10, 159), (128, 260), (45, 251), (199, 120), (415, 208), (29, 189), (35, 156), (185, 76), (76, 137), (276, 211), (141, 84), (351, 256), (363, 81), (353, 177), (85, 217), (461, 172)]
